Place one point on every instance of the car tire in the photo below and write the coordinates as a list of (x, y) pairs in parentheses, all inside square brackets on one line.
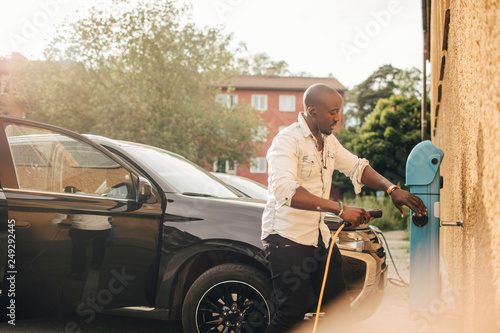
[(230, 298)]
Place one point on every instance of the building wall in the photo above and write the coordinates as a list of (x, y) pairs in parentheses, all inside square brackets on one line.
[(467, 128), (273, 118)]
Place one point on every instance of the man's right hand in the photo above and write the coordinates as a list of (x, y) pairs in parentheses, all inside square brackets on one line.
[(355, 215)]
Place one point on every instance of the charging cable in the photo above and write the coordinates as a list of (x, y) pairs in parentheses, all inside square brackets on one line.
[(396, 282), (374, 213), (332, 244)]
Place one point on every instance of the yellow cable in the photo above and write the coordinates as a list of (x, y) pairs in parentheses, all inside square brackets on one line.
[(325, 276)]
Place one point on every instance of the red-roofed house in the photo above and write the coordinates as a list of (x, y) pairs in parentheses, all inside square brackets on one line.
[(279, 101)]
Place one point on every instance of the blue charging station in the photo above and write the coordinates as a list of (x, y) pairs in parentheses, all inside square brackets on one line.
[(423, 177)]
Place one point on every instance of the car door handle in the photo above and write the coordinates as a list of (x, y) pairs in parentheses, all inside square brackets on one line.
[(22, 225)]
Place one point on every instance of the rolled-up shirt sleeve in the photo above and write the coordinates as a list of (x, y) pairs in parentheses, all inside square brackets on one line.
[(350, 165), (282, 161)]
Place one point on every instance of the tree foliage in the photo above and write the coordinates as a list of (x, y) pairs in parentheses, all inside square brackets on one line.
[(382, 122), (141, 72), (389, 134), (259, 63), (383, 83), (409, 82), (363, 97), (386, 139)]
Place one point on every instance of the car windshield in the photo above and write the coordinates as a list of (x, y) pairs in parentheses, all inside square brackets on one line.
[(183, 175)]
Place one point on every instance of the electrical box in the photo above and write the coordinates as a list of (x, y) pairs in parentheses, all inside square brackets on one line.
[(423, 177)]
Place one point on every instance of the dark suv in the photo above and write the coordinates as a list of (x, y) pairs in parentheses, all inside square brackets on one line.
[(90, 224)]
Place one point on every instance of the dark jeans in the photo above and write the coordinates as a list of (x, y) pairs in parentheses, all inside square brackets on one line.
[(297, 271)]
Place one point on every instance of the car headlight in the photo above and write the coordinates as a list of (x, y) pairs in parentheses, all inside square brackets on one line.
[(350, 240)]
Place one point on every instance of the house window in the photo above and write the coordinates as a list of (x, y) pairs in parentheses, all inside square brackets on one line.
[(260, 134), (231, 167), (259, 165), (226, 99), (225, 166), (259, 102), (287, 103)]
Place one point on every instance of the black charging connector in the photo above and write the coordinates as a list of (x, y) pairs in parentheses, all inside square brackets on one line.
[(374, 214)]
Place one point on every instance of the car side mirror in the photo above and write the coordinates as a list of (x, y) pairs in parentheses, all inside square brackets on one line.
[(144, 190)]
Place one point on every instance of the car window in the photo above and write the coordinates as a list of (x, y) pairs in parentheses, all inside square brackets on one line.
[(184, 176), (48, 161)]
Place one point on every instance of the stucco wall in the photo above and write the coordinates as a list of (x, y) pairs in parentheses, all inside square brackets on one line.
[(467, 129)]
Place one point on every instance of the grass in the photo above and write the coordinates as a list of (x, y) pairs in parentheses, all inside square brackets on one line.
[(391, 218)]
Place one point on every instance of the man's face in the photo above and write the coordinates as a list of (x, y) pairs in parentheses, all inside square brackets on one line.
[(328, 112)]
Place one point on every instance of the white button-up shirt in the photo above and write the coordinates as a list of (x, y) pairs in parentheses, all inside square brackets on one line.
[(293, 161)]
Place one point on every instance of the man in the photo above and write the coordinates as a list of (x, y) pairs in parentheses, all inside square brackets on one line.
[(301, 161)]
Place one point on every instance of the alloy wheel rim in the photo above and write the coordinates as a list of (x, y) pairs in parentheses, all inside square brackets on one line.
[(232, 307)]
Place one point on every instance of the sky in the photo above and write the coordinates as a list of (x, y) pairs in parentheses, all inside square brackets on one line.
[(346, 39)]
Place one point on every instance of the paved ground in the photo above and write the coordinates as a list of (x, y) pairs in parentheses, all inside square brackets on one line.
[(393, 314)]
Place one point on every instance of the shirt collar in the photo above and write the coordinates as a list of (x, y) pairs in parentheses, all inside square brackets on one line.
[(304, 128)]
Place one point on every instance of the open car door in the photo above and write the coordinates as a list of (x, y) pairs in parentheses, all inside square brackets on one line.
[(84, 224)]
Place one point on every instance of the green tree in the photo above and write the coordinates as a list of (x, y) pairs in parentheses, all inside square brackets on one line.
[(383, 83), (366, 137), (142, 72), (409, 82), (259, 63), (389, 134), (361, 100), (57, 94)]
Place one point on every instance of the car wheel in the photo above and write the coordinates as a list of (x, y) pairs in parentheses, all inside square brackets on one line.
[(229, 298)]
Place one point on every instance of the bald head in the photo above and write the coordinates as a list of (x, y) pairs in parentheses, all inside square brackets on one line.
[(315, 95), (322, 106)]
